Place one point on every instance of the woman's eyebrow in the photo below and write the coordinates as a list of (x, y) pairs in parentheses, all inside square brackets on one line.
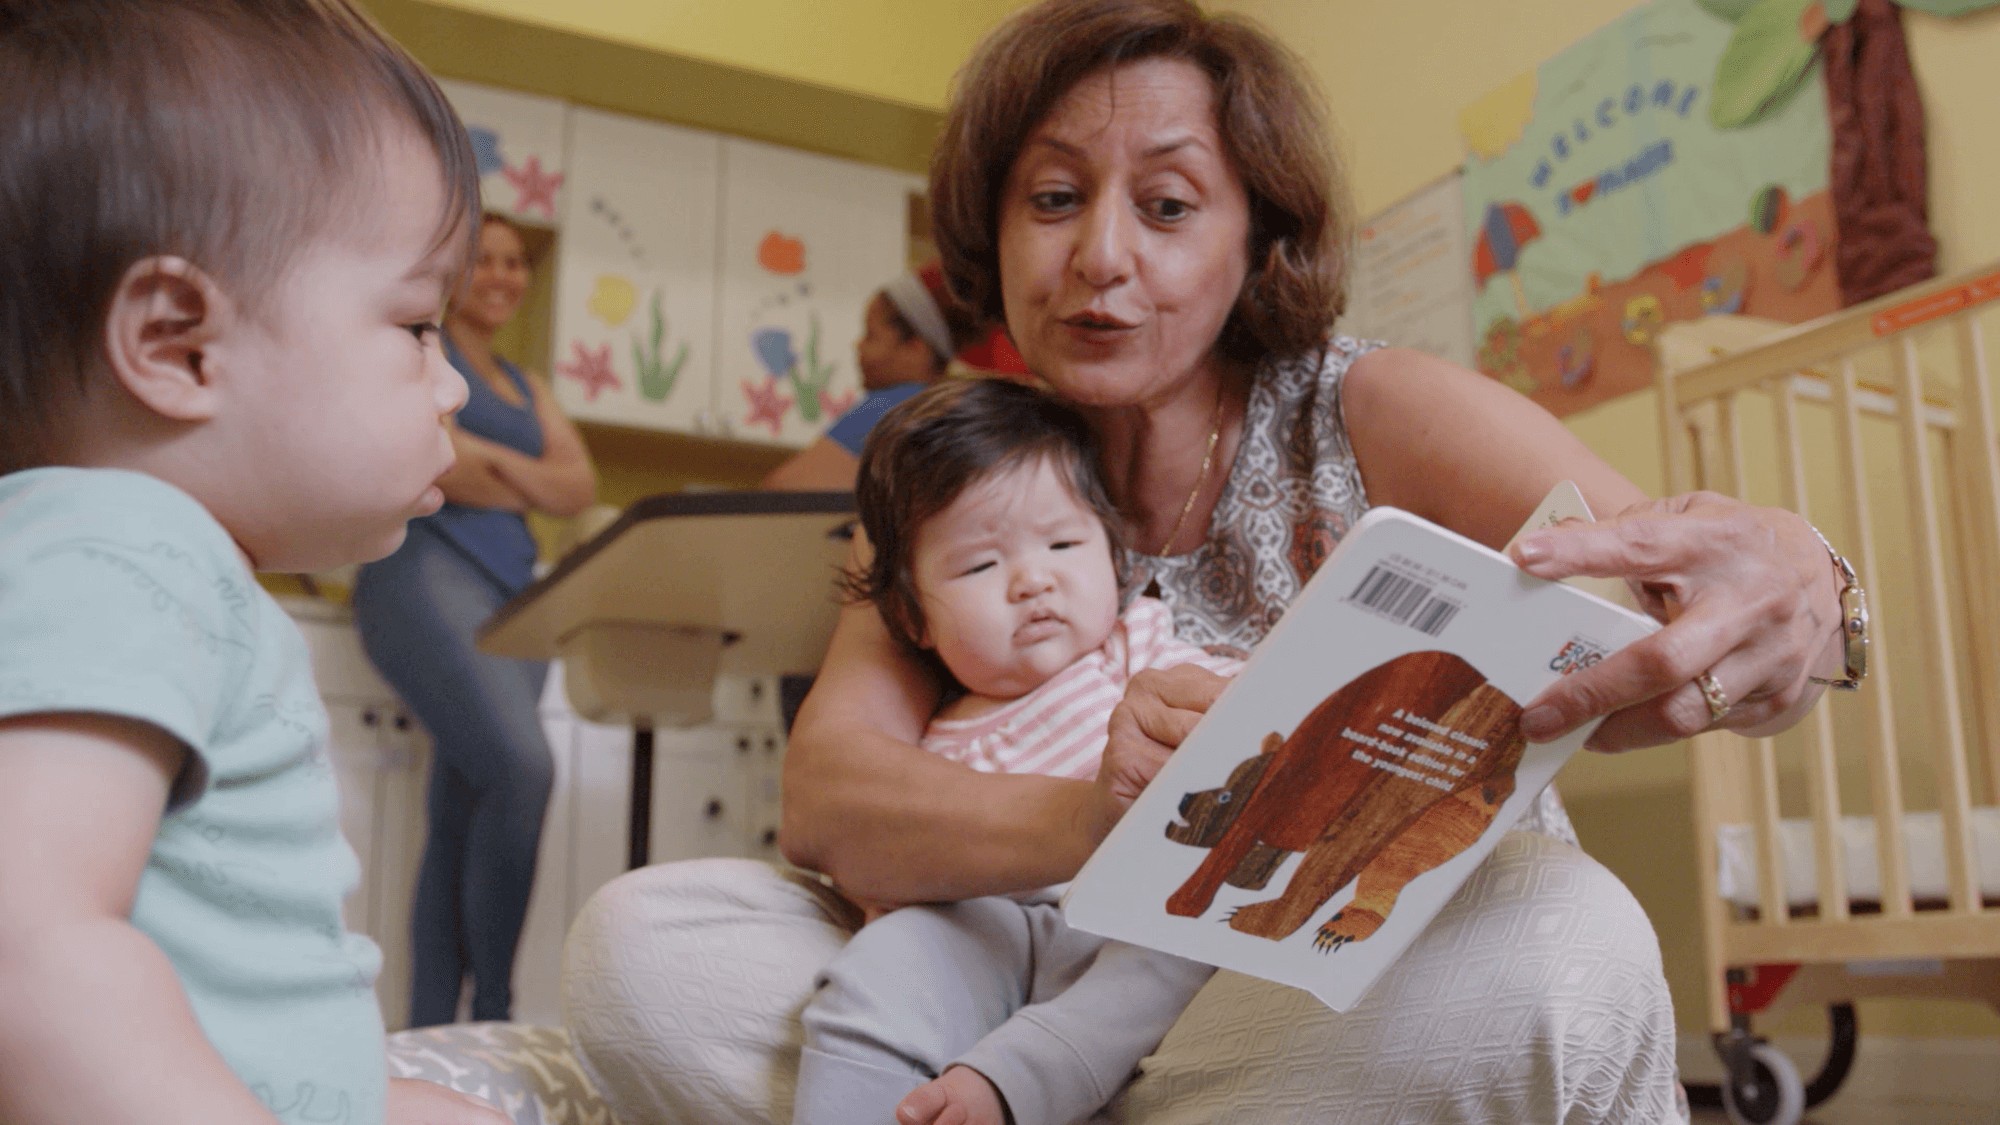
[(1172, 145), (1063, 147), (1153, 152)]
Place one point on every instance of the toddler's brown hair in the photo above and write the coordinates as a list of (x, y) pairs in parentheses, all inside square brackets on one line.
[(227, 132)]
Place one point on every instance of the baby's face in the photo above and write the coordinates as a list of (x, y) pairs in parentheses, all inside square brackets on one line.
[(1016, 581), (338, 412)]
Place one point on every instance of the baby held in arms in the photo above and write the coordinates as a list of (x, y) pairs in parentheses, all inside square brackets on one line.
[(996, 554)]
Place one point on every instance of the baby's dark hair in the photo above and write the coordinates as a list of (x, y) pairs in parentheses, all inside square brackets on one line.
[(226, 132), (943, 440)]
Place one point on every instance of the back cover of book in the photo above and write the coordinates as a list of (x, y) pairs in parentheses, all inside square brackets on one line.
[(1364, 762)]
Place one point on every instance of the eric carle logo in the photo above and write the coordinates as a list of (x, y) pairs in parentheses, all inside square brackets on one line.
[(1577, 653)]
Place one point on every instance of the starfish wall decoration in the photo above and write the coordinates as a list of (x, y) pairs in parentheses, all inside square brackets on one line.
[(590, 367), (834, 405), (535, 188), (767, 403)]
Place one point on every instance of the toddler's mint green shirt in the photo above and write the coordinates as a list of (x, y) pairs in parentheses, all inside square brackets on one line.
[(120, 595)]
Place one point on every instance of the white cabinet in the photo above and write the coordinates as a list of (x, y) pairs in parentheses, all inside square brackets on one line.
[(635, 283), (766, 754), (749, 714), (380, 761), (715, 792), (704, 285), (806, 241), (698, 805), (518, 141)]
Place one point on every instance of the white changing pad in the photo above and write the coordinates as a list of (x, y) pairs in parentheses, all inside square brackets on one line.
[(1923, 845)]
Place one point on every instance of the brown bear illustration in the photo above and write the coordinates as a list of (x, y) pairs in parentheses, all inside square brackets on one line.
[(1370, 784), (1210, 812), (1447, 829)]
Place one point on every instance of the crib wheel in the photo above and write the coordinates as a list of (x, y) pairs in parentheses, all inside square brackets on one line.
[(1765, 1089)]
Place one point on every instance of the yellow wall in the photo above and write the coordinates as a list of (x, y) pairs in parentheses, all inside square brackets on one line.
[(897, 50), (573, 52), (1396, 76)]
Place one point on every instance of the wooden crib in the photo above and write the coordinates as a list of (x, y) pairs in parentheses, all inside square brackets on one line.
[(1878, 424)]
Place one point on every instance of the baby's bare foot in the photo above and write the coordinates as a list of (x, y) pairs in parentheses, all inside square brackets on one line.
[(959, 1096)]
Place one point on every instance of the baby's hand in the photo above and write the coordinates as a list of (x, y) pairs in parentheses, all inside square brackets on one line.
[(413, 1102), (1159, 709), (959, 1096)]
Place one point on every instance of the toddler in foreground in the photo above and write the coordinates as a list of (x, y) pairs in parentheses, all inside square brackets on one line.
[(227, 228), (995, 552)]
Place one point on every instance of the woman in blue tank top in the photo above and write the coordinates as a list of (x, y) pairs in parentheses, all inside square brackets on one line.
[(418, 609)]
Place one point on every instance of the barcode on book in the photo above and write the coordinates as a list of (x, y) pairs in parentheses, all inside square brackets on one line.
[(1404, 600)]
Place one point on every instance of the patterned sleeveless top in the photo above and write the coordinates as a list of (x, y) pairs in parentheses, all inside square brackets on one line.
[(1293, 490)]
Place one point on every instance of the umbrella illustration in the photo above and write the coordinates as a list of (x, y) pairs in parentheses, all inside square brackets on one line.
[(1505, 230)]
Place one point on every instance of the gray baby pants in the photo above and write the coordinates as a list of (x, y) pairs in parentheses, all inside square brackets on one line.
[(1056, 1019)]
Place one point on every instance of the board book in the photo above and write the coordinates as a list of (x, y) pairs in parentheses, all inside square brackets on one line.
[(1366, 759)]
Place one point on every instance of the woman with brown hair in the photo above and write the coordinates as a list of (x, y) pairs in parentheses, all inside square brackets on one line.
[(1145, 194)]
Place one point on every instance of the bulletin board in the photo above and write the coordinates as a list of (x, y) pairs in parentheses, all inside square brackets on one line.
[(1615, 189), (1409, 286)]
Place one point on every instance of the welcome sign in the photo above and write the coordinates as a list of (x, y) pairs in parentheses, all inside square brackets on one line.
[(1602, 201)]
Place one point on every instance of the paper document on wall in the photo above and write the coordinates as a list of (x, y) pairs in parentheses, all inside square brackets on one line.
[(1410, 287)]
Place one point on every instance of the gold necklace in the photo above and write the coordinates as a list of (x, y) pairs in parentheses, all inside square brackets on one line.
[(1201, 479)]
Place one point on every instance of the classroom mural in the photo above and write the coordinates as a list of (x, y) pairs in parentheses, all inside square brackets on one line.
[(1656, 172), (806, 241)]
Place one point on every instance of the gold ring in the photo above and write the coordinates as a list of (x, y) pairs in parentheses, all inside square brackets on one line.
[(1712, 693)]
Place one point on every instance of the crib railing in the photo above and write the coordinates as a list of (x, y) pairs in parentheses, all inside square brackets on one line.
[(1910, 372)]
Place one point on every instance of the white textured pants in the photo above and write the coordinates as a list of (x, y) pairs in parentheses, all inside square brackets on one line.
[(1535, 996)]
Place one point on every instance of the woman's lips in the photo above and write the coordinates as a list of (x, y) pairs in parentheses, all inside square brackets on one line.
[(1096, 331), (1092, 321)]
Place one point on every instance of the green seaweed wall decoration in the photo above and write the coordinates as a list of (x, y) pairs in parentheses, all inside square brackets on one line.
[(657, 376), (810, 376)]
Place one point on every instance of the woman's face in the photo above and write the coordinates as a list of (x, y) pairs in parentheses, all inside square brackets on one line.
[(1124, 236), (492, 292), (886, 354)]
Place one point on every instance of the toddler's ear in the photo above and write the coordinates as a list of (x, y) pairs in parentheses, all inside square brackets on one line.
[(163, 315)]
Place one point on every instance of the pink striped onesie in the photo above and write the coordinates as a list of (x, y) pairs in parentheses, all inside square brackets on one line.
[(1059, 729)]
